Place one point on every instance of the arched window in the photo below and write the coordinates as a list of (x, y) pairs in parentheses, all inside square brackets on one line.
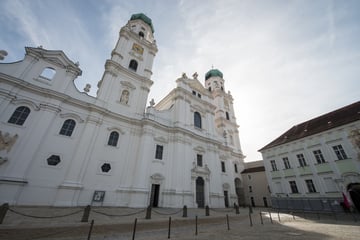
[(68, 127), (113, 139), (19, 116), (48, 73), (133, 65), (197, 119), (141, 34)]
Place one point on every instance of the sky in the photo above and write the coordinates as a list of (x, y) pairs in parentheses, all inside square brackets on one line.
[(284, 61)]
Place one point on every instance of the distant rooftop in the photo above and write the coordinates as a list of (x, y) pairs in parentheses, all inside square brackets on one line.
[(339, 117)]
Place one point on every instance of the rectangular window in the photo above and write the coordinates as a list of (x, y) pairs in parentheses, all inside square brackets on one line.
[(340, 153), (293, 187), (223, 166), (273, 165), (301, 159), (250, 188), (235, 168), (199, 160), (286, 163), (159, 152), (249, 177), (310, 186), (193, 92), (319, 157)]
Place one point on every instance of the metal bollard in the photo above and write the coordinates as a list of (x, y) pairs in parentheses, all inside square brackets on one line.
[(270, 217), (227, 222), (85, 217), (185, 211), (90, 230), (279, 216), (196, 225), (207, 211), (169, 227), (3, 210), (250, 209), (250, 219), (237, 209), (134, 230), (148, 213)]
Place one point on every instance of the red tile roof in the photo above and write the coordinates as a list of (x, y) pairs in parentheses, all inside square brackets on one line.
[(339, 117)]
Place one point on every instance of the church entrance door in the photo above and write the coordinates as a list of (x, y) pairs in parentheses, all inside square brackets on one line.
[(154, 197), (354, 191), (200, 193)]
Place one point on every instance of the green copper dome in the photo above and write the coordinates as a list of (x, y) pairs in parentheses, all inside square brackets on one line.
[(144, 18), (213, 73)]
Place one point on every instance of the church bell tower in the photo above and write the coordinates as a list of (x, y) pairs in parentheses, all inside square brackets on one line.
[(126, 82), (225, 120)]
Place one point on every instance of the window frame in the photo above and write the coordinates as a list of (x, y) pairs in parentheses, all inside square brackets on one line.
[(113, 139), (199, 160), (319, 156), (227, 116), (67, 130), (273, 165), (223, 168), (293, 187), (310, 185), (286, 163), (19, 116), (197, 120), (301, 159), (159, 152), (340, 152)]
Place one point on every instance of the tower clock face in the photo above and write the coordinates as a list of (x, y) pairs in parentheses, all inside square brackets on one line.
[(138, 49)]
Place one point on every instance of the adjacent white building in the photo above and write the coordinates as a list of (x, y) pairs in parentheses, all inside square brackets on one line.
[(62, 147), (317, 160), (256, 187)]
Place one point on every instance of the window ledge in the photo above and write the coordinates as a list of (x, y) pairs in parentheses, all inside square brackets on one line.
[(320, 163), (337, 160), (44, 80), (158, 161)]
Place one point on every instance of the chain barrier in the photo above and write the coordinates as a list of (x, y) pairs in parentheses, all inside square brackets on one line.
[(119, 215), (167, 214), (212, 209), (32, 216)]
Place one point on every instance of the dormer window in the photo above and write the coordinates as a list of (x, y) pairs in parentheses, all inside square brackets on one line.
[(141, 34), (133, 65)]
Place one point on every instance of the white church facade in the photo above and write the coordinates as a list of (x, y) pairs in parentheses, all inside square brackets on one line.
[(63, 147)]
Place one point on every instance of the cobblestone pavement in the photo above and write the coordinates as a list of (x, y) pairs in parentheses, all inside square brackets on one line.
[(118, 223)]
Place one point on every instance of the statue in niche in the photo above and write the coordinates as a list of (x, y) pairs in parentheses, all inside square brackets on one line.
[(124, 97), (6, 141)]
